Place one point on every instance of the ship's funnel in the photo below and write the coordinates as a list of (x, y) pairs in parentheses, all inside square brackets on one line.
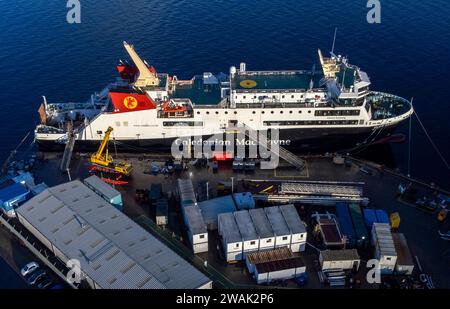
[(145, 77)]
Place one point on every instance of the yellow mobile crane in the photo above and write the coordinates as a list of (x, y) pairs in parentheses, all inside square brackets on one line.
[(105, 162)]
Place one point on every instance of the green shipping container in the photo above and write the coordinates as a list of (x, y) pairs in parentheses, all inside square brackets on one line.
[(362, 237)]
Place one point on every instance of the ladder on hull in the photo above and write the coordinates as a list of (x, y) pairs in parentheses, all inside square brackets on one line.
[(68, 150), (282, 152)]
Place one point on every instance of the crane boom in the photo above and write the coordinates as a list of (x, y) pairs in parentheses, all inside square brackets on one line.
[(145, 77), (98, 157), (105, 162)]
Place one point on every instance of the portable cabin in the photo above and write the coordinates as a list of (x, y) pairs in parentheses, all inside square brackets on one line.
[(296, 227), (279, 227), (103, 189), (263, 228), (231, 238), (250, 238)]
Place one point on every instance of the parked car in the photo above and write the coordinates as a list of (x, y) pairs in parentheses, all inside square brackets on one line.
[(45, 283), (29, 268), (36, 276)]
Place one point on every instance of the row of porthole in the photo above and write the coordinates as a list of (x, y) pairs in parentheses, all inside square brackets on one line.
[(262, 112)]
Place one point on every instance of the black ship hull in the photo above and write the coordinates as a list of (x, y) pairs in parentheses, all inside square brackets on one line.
[(312, 140)]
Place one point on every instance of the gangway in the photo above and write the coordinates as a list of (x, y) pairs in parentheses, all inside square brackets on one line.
[(320, 189), (68, 150), (262, 140)]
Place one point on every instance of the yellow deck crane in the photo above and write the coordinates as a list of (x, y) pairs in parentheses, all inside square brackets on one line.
[(105, 162)]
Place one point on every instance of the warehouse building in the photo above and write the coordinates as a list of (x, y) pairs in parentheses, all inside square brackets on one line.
[(107, 192), (114, 252), (250, 238), (384, 246), (231, 238), (263, 228), (296, 227), (279, 227), (346, 259), (196, 229)]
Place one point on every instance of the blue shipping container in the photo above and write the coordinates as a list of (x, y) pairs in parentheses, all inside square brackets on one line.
[(345, 222), (370, 217), (12, 195), (382, 216)]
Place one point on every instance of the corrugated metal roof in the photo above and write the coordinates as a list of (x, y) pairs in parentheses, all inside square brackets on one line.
[(194, 220), (293, 262), (186, 191), (99, 185), (269, 255), (213, 207), (245, 225), (112, 249), (340, 255), (261, 223), (384, 239), (229, 228), (276, 219), (292, 218)]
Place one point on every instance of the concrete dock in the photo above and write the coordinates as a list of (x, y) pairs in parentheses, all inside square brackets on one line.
[(380, 187)]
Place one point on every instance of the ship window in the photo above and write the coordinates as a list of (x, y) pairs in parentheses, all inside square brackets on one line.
[(99, 132), (198, 113), (226, 112), (273, 96), (299, 112), (262, 112), (207, 113), (125, 123), (283, 96), (254, 97), (217, 113), (281, 112), (253, 112), (290, 112), (235, 112), (244, 97), (292, 96), (309, 112), (271, 112), (117, 123)]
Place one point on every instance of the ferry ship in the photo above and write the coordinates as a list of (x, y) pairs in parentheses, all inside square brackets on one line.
[(326, 109)]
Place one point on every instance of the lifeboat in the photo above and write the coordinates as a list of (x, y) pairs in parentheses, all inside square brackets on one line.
[(171, 107)]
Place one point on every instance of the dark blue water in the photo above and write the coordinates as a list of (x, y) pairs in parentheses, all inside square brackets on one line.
[(9, 279), (407, 54)]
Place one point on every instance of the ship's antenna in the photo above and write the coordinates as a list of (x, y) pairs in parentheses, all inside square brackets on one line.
[(334, 41)]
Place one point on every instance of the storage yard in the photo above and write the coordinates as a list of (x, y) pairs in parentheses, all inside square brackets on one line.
[(315, 228)]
